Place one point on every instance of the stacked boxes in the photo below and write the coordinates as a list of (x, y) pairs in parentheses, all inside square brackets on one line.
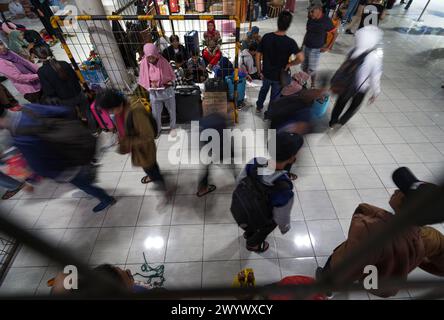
[(214, 102)]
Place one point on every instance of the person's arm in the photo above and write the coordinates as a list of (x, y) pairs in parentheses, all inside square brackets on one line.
[(375, 76), (12, 73), (282, 216), (259, 64), (299, 56)]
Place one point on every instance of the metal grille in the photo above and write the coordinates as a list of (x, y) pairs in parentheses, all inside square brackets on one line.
[(8, 247)]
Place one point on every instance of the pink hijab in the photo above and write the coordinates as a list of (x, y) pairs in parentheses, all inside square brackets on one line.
[(161, 71)]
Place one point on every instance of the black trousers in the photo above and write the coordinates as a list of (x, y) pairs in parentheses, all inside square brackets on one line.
[(155, 175), (340, 105), (256, 236), (264, 7)]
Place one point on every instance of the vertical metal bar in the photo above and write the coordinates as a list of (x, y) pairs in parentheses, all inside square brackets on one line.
[(59, 34), (236, 63), (423, 10)]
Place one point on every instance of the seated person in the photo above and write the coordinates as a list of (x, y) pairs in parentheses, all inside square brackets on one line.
[(212, 34), (196, 68), (174, 49), (252, 37), (16, 9), (224, 68), (179, 67), (121, 278), (246, 62), (415, 246), (211, 55)]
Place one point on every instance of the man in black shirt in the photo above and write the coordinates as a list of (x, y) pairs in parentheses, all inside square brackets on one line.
[(275, 51), (318, 25)]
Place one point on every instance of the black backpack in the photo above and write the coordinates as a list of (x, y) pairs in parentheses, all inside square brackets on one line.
[(344, 79), (73, 142), (251, 204)]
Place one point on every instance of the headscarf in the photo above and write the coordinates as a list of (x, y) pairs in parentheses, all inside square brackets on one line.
[(161, 71), (211, 33), (366, 39), (15, 43), (21, 64)]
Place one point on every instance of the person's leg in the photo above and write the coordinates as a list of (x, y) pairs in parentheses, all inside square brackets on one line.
[(155, 175), (82, 182), (33, 97), (338, 108), (408, 5), (306, 61), (276, 89), (264, 8), (354, 106), (156, 110), (170, 104), (352, 7), (266, 84), (257, 238)]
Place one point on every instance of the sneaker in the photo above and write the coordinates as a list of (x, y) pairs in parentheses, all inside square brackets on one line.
[(104, 204), (266, 17)]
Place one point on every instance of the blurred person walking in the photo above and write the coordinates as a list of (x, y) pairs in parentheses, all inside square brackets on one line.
[(358, 75)]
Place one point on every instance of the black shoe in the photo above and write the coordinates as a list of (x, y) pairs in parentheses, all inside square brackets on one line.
[(348, 31)]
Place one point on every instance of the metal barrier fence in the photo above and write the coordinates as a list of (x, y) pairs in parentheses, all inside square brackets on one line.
[(118, 42), (8, 248)]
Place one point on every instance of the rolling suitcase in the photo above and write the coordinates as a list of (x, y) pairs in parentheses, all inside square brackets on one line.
[(241, 88), (102, 118), (188, 104), (191, 42)]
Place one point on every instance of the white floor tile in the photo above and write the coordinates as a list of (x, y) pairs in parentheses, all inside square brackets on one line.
[(433, 133), (316, 205), (57, 213), (22, 281), (336, 178), (351, 155), (124, 213), (344, 202), (308, 179), (112, 246), (188, 210), (155, 212), (220, 273), (365, 136), (364, 176), (412, 134), (185, 243), (325, 156), (84, 217), (325, 236), (298, 266), (151, 241), (130, 185), (427, 152), (27, 212), (80, 242), (389, 135), (217, 209), (403, 153), (295, 243), (221, 242), (377, 154)]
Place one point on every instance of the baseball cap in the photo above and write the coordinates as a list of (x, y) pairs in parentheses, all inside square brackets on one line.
[(405, 180), (315, 4)]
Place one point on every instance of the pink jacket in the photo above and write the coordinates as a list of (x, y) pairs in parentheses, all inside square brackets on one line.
[(24, 83)]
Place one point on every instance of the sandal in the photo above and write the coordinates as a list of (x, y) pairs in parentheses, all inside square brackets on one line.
[(262, 247), (9, 194), (211, 188), (146, 180)]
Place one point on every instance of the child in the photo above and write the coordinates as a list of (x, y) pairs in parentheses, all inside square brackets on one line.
[(196, 68)]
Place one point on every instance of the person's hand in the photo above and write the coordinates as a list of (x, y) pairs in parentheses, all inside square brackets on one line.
[(325, 49), (261, 75), (40, 13), (287, 67), (372, 99), (249, 79)]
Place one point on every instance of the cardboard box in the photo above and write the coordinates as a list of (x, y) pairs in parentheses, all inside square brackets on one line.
[(209, 108)]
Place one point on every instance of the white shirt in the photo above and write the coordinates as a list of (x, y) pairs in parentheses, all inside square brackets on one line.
[(246, 62), (370, 72)]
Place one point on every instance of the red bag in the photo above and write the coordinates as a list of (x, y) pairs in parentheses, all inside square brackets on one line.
[(295, 280), (174, 6)]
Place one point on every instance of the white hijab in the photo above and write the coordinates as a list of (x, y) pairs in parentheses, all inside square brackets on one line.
[(366, 38)]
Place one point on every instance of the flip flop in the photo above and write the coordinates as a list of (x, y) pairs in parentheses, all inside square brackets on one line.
[(11, 193), (146, 180), (262, 248), (211, 188)]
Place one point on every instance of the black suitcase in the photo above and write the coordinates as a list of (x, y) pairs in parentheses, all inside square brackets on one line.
[(216, 85), (191, 42), (188, 104)]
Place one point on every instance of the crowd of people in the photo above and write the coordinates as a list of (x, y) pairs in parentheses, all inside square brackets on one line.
[(57, 146)]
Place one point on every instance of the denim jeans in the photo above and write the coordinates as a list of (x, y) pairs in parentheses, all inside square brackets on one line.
[(84, 182), (275, 92), (352, 7)]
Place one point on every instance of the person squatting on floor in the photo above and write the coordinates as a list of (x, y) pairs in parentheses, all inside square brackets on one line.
[(272, 65), (34, 131), (358, 75), (417, 246), (264, 197), (157, 76)]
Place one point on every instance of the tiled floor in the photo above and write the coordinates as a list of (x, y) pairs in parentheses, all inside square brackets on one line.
[(197, 239)]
